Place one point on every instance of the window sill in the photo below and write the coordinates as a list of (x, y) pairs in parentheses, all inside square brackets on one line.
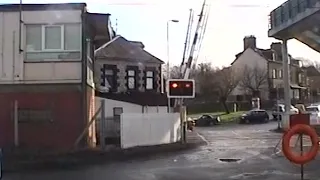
[(53, 61)]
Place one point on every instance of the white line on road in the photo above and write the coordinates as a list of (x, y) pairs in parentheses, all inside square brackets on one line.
[(203, 138), (237, 134), (256, 153)]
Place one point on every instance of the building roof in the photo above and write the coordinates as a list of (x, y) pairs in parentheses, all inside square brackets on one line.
[(120, 48), (312, 71), (267, 54), (138, 43), (39, 7)]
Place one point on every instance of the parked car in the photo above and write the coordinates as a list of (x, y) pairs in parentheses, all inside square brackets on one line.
[(278, 109), (255, 116), (314, 111), (207, 120)]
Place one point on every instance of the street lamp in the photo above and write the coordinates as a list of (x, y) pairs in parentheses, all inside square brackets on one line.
[(168, 56)]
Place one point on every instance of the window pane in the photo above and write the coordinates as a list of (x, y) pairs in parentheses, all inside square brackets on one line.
[(109, 72), (131, 83), (53, 37), (131, 73), (33, 37), (149, 84), (72, 37), (149, 74), (111, 81)]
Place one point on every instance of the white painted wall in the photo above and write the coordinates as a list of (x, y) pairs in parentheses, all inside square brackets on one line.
[(149, 129), (112, 126), (12, 66), (250, 59)]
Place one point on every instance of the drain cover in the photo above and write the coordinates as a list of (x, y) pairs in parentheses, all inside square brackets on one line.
[(229, 160)]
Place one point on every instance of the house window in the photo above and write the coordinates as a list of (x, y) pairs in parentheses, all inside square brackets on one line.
[(299, 78), (274, 73), (149, 79), (110, 78), (53, 42), (131, 79), (280, 74)]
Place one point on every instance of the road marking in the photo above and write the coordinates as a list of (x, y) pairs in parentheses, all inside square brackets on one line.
[(203, 139), (256, 153), (237, 134)]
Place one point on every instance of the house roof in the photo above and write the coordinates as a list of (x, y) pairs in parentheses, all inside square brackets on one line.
[(312, 71), (38, 7), (120, 48), (140, 98), (267, 54), (138, 43)]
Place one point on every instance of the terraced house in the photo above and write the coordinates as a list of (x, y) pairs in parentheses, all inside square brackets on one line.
[(270, 61)]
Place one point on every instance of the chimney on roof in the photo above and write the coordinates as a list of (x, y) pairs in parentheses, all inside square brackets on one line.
[(249, 42), (277, 48)]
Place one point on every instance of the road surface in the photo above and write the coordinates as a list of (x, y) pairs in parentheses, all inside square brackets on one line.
[(250, 146)]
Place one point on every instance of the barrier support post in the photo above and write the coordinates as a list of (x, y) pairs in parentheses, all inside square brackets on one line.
[(301, 151)]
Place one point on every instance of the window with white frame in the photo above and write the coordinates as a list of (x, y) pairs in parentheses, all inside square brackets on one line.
[(280, 74), (274, 73), (53, 42), (149, 79), (299, 78), (131, 79)]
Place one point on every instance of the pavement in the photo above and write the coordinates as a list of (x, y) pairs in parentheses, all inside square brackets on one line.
[(226, 152)]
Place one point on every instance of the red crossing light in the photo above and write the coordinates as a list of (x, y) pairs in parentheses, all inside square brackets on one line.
[(174, 85)]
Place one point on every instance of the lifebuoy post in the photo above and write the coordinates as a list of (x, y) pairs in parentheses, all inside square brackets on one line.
[(299, 119), (300, 124)]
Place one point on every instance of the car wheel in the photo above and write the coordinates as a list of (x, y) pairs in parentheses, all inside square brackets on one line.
[(266, 120)]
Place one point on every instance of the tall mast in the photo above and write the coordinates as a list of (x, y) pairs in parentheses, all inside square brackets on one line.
[(189, 62), (187, 40)]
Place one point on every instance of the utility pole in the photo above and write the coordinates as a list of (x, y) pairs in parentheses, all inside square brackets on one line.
[(168, 56)]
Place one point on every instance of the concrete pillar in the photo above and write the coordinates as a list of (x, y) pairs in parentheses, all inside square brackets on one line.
[(286, 81)]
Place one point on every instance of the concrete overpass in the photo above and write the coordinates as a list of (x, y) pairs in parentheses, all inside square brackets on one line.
[(295, 19)]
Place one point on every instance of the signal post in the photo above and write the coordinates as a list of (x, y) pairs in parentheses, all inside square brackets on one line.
[(180, 89)]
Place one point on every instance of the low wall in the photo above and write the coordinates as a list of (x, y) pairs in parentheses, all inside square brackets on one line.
[(140, 129)]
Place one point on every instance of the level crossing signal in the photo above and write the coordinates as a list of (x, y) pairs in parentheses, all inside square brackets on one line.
[(181, 88)]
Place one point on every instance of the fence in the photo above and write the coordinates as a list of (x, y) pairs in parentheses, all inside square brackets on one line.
[(138, 129)]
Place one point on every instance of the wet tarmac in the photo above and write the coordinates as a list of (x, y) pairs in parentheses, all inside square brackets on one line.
[(230, 152)]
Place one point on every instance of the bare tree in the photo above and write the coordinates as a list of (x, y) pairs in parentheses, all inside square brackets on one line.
[(216, 83), (224, 83), (204, 76), (253, 80)]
